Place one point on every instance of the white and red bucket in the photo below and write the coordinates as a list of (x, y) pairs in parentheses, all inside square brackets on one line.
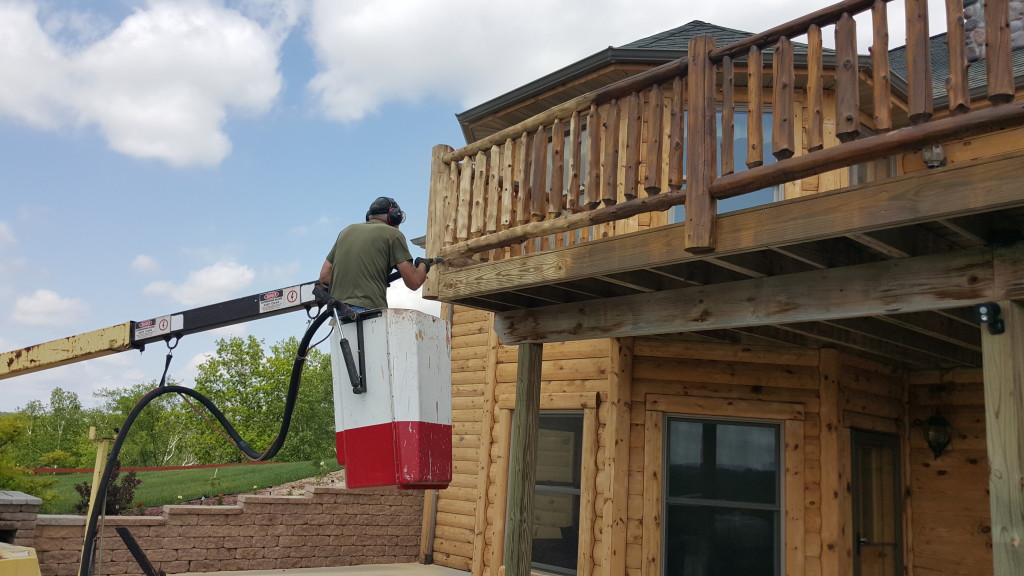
[(399, 431)]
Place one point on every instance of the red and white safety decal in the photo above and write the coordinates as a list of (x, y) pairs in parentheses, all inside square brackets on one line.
[(278, 299)]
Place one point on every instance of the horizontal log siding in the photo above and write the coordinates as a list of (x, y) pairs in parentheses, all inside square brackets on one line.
[(454, 533), (951, 532)]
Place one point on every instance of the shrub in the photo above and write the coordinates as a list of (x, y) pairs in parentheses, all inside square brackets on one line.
[(120, 496)]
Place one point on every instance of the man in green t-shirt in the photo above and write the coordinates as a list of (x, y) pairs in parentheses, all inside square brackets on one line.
[(358, 264)]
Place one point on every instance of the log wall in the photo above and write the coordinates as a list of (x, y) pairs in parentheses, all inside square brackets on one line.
[(951, 532), (817, 396)]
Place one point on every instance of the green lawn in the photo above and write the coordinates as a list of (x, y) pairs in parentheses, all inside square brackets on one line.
[(164, 487)]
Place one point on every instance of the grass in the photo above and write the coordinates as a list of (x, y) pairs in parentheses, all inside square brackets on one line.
[(165, 486)]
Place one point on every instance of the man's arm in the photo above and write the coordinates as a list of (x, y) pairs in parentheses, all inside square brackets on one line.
[(413, 276), (325, 273)]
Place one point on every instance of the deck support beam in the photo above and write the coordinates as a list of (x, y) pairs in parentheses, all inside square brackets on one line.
[(523, 462), (1004, 425), (933, 282)]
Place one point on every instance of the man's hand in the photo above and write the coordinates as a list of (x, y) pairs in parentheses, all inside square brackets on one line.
[(321, 292), (425, 261)]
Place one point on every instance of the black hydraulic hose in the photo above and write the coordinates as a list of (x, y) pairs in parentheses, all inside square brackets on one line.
[(89, 549)]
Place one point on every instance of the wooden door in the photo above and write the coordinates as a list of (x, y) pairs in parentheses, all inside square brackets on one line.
[(877, 505)]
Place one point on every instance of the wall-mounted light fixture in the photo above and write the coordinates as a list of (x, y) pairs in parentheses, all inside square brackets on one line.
[(988, 313), (937, 433), (933, 156)]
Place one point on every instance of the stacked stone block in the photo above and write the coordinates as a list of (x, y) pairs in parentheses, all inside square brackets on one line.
[(325, 527), (18, 512)]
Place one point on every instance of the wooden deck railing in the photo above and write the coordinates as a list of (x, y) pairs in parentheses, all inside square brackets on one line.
[(563, 176)]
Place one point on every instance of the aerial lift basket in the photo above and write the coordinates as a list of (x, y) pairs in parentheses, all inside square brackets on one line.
[(393, 399)]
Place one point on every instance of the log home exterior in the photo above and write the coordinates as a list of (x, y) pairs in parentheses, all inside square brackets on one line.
[(701, 392)]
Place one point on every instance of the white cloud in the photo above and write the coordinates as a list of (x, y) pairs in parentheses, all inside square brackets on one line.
[(159, 86), (7, 240), (401, 297), (143, 263), (220, 281), (35, 73), (372, 52), (47, 308)]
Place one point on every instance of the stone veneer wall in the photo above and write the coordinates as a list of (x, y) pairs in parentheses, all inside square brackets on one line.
[(974, 27), (325, 527)]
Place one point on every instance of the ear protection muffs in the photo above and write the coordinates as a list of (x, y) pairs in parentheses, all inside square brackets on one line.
[(389, 207)]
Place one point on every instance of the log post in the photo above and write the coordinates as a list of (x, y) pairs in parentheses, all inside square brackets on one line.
[(701, 161), (1004, 422), (439, 212), (523, 462), (783, 80)]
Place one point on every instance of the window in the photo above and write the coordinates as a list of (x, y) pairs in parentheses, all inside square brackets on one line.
[(722, 498), (556, 506), (756, 198)]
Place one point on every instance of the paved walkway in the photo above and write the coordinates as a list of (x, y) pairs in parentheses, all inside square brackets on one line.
[(373, 570)]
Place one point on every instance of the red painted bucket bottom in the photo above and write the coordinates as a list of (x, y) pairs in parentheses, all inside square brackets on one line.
[(411, 455)]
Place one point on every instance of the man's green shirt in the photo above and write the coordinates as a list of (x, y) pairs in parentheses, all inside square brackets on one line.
[(361, 259)]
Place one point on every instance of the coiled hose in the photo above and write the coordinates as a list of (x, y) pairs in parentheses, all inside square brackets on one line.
[(89, 549)]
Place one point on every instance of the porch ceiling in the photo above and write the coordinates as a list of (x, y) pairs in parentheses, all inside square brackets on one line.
[(888, 270)]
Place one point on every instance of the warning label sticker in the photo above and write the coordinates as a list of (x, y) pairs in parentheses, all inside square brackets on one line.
[(279, 299), (152, 327)]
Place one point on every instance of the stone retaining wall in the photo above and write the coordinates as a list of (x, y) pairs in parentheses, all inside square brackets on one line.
[(325, 527)]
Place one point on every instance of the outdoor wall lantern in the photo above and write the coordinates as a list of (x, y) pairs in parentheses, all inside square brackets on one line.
[(937, 433), (933, 156)]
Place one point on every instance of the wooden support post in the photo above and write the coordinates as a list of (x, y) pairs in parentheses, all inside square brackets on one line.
[(102, 450), (1004, 423), (483, 468), (702, 142), (523, 462), (620, 390), (836, 508)]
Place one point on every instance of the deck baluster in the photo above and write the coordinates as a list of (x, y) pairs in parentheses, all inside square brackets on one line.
[(847, 92), (755, 108), (572, 193), (479, 200), (882, 84), (676, 140), (815, 93), (631, 154), (610, 156), (538, 176), (919, 66), (783, 79), (462, 214), (593, 186), (728, 117), (956, 84), (998, 61), (652, 155)]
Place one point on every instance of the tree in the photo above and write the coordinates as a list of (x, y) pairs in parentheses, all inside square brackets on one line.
[(249, 386), (13, 477), (61, 425), (161, 432)]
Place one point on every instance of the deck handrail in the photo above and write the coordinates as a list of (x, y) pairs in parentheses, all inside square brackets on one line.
[(617, 152)]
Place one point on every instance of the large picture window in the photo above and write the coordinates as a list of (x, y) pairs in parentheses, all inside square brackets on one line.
[(722, 497), (556, 505)]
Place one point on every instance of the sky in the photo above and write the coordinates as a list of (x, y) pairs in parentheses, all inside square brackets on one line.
[(157, 156)]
